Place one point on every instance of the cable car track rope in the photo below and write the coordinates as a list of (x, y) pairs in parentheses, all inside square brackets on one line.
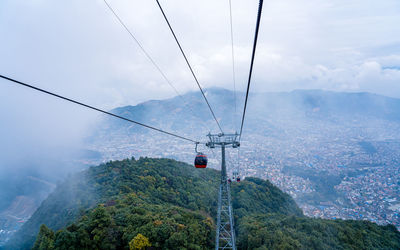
[(96, 109), (251, 64), (233, 65), (141, 47), (234, 84), (190, 67), (149, 57)]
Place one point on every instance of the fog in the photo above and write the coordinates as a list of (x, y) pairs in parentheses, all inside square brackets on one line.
[(41, 137)]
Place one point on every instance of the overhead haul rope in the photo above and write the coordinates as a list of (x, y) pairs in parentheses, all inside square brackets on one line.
[(251, 64), (234, 81), (233, 65), (94, 108), (149, 57), (190, 67)]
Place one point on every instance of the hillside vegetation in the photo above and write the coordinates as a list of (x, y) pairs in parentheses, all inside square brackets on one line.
[(167, 204)]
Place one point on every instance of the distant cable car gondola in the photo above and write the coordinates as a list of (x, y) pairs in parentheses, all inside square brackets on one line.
[(236, 176), (200, 161)]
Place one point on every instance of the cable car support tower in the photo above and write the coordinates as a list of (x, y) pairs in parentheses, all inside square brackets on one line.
[(225, 233)]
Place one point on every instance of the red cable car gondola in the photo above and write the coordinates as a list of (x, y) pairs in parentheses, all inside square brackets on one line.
[(200, 161)]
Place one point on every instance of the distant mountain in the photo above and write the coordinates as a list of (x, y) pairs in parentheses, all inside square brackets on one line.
[(171, 205), (190, 111)]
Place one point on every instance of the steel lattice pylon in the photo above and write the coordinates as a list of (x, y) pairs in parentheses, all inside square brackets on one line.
[(225, 233)]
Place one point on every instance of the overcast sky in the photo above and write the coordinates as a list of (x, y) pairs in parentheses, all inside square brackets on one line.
[(78, 48)]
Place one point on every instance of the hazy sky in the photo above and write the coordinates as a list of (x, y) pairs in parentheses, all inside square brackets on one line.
[(78, 49)]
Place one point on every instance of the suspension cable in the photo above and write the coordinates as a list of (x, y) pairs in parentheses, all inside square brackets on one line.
[(237, 163), (94, 108), (149, 57), (251, 64), (233, 65), (190, 67)]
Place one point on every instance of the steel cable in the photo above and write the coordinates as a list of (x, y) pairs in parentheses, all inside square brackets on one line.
[(150, 58), (251, 64), (94, 108), (190, 67)]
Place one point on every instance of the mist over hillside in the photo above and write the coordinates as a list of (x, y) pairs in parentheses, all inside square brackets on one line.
[(28, 179), (318, 146)]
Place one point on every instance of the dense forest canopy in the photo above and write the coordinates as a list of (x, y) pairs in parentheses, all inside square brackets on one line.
[(165, 204)]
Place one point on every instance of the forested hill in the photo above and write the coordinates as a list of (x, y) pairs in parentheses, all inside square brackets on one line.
[(170, 205)]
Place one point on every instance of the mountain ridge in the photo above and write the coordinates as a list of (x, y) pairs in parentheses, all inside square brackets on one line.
[(319, 104)]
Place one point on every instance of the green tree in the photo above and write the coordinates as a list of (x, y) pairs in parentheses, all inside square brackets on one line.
[(101, 229), (45, 239), (140, 242)]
